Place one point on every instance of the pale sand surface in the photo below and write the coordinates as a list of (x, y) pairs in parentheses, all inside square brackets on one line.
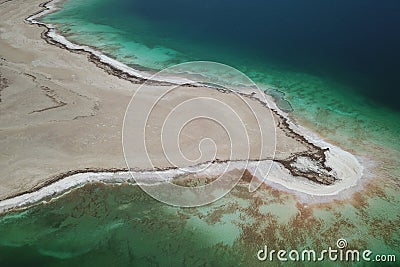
[(61, 113)]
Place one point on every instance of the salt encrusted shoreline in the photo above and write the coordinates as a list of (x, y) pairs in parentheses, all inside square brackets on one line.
[(277, 176), (286, 173)]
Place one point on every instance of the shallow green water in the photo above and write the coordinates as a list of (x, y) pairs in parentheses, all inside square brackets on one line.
[(103, 225)]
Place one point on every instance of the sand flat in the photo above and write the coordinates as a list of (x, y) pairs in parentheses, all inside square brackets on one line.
[(60, 112)]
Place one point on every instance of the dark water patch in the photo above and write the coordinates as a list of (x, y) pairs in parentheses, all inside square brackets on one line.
[(356, 42)]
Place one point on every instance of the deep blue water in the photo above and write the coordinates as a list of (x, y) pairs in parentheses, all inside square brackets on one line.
[(356, 42)]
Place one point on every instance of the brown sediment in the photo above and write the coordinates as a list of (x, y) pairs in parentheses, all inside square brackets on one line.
[(3, 84), (314, 153), (255, 229), (61, 176), (56, 99), (258, 229), (5, 1), (108, 68), (50, 94)]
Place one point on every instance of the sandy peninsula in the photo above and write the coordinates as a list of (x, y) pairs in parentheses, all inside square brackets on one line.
[(61, 117)]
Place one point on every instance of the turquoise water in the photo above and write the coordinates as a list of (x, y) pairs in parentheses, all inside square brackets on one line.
[(338, 109), (103, 225)]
